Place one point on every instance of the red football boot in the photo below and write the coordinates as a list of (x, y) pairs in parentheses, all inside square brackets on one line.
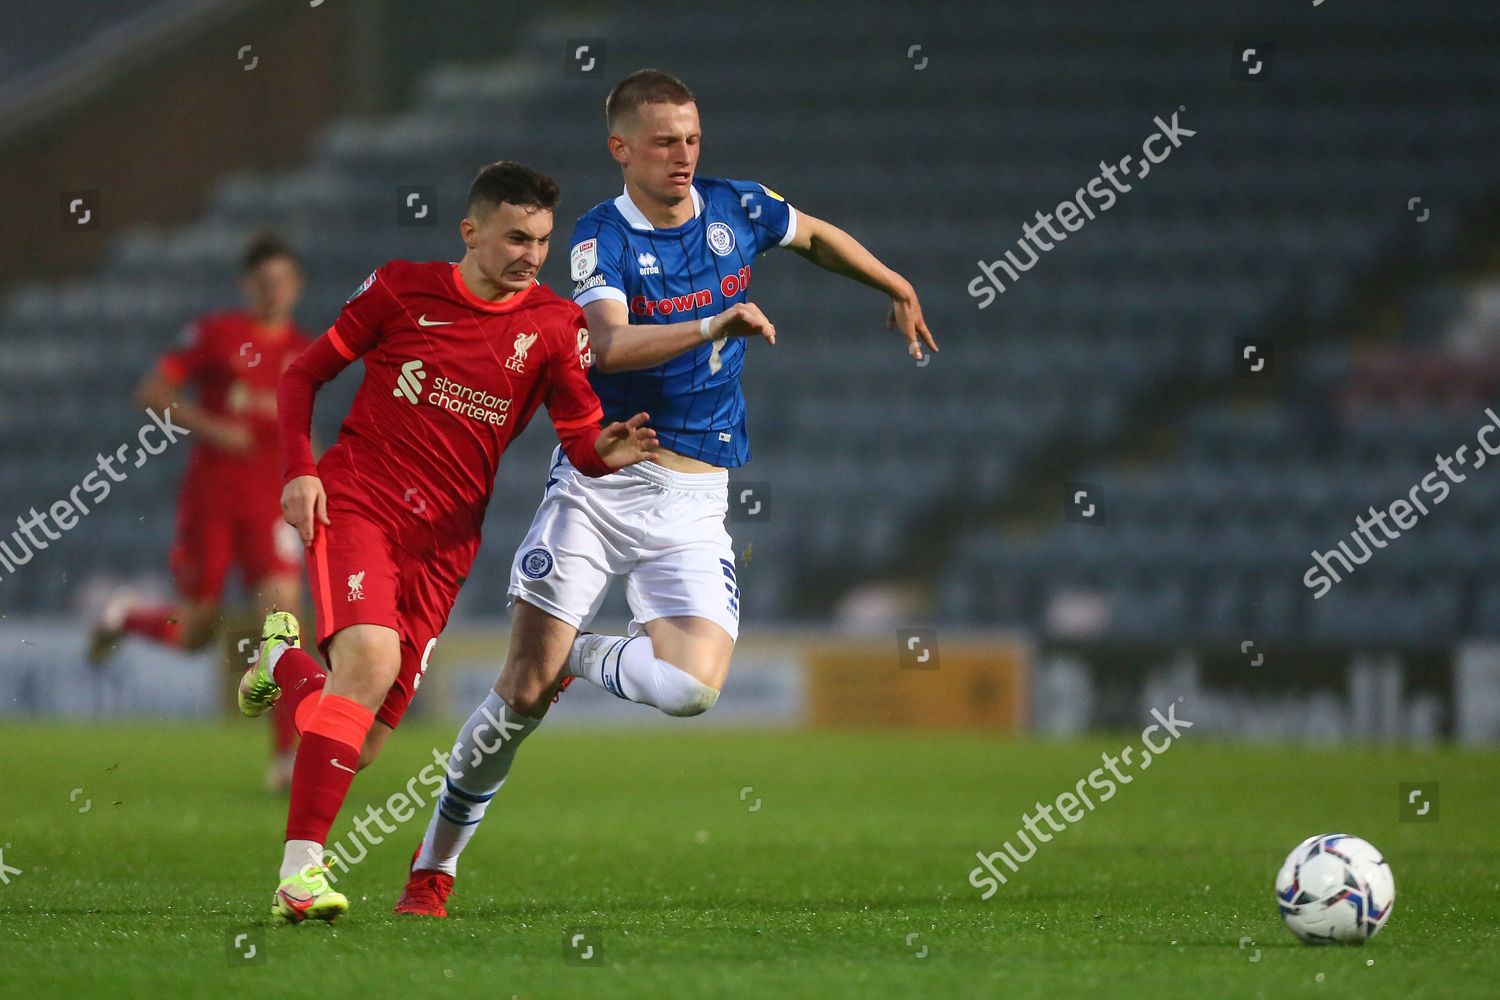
[(425, 892)]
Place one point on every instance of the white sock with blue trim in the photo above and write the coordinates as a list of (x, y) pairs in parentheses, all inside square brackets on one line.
[(628, 668), (477, 767)]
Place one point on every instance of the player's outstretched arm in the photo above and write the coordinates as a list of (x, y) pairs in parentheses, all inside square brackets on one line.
[(621, 347), (626, 442), (832, 249)]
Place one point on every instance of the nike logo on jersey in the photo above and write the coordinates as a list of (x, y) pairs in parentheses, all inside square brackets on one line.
[(422, 320)]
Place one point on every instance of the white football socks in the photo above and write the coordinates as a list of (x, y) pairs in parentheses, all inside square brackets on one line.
[(298, 854), (628, 668), (487, 742), (477, 767)]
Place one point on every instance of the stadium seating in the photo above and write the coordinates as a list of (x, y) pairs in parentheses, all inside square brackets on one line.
[(1293, 192)]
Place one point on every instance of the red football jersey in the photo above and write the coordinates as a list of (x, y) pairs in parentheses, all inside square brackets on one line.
[(234, 364), (450, 379)]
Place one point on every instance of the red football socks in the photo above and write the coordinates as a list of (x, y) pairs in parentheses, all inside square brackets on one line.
[(326, 762), (299, 676), (159, 623)]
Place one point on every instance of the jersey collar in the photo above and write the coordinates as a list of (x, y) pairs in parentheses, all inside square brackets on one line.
[(486, 304), (637, 218)]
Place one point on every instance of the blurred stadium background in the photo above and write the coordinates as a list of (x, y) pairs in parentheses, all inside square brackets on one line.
[(1336, 210)]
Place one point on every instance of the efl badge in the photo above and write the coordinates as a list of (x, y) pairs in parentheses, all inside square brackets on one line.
[(585, 259), (362, 288)]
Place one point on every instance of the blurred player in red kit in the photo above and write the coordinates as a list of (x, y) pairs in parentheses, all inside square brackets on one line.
[(229, 506), (457, 358)]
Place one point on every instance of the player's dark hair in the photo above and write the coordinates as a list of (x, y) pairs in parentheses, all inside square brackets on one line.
[(516, 183), (263, 247), (644, 86)]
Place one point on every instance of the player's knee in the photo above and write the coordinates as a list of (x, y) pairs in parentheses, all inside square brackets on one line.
[(684, 695), (370, 657), (528, 684), (528, 694), (530, 702)]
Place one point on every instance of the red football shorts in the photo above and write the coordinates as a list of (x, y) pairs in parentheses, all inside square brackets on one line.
[(359, 576), (210, 539)]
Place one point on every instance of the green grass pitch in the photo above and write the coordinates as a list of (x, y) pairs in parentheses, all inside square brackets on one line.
[(848, 880)]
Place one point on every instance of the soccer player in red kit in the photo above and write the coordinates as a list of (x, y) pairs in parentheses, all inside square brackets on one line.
[(229, 506), (457, 359)]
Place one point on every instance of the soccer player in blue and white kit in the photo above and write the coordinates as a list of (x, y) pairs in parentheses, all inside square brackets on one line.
[(662, 273)]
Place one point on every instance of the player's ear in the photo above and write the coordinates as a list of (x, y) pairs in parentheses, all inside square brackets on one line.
[(466, 229), (619, 149)]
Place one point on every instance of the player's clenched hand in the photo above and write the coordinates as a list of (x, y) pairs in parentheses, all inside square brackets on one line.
[(906, 316), (626, 442), (742, 319), (304, 505)]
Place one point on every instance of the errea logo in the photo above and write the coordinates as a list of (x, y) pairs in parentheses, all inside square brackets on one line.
[(648, 264), (409, 382)]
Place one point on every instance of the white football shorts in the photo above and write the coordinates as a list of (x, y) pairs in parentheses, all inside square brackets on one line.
[(661, 530)]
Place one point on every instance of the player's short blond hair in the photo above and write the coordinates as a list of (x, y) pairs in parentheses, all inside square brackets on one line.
[(644, 86)]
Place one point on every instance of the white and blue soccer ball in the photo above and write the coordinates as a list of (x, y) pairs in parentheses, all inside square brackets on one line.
[(1335, 889)]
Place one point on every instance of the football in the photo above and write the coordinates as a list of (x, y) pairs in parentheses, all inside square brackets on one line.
[(1334, 888)]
